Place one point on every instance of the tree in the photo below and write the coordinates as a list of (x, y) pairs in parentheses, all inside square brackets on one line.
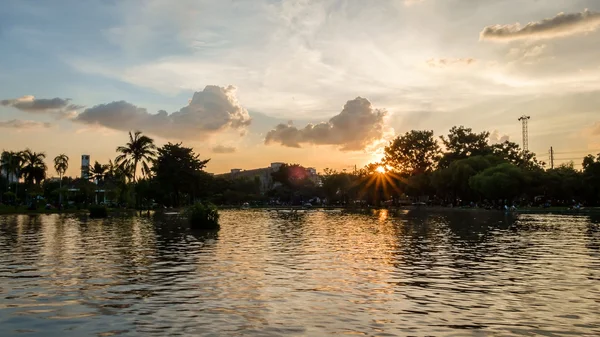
[(98, 172), (34, 167), (139, 150), (512, 153), (11, 164), (294, 184), (179, 173), (563, 182), (290, 175), (503, 181), (414, 153), (453, 182), (591, 179), (3, 188), (336, 185), (61, 164), (462, 143)]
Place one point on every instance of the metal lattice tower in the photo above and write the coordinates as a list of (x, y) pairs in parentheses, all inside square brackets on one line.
[(524, 119)]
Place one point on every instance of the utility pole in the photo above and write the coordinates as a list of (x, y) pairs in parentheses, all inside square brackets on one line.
[(551, 157), (524, 119)]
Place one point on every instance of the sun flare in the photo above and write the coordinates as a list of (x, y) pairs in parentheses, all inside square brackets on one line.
[(380, 169)]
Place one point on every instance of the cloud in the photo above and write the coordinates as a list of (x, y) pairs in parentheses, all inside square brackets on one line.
[(223, 149), (59, 107), (412, 2), (20, 124), (595, 129), (209, 111), (560, 25), (495, 138), (529, 54), (447, 62), (355, 128)]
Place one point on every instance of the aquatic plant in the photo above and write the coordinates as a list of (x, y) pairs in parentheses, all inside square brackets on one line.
[(98, 211), (203, 216)]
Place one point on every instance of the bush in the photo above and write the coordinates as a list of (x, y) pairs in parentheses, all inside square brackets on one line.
[(98, 211), (203, 216)]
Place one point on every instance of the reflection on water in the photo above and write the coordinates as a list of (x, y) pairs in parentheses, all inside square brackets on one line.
[(309, 274)]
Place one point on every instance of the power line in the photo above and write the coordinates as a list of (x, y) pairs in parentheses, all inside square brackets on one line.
[(583, 151), (573, 158)]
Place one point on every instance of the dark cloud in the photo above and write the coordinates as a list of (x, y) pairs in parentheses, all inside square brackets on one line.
[(357, 126), (223, 149), (447, 62), (19, 124), (209, 111), (59, 107), (560, 25)]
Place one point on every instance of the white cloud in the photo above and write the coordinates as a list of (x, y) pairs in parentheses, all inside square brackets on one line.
[(496, 138), (210, 111), (296, 59), (282, 55), (23, 124), (356, 127), (449, 62), (412, 2)]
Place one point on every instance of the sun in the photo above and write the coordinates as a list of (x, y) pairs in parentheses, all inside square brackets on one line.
[(380, 169)]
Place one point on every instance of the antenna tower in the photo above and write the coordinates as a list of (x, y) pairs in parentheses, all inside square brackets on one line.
[(524, 119)]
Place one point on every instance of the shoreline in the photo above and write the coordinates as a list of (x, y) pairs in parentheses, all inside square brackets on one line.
[(551, 210)]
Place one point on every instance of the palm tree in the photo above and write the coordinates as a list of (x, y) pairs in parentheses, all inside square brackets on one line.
[(10, 164), (110, 168), (139, 150), (34, 167), (98, 172), (61, 164)]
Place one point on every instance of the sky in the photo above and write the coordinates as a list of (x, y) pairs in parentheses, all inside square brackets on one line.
[(322, 83)]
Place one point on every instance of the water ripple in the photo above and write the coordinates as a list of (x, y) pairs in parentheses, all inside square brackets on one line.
[(310, 274)]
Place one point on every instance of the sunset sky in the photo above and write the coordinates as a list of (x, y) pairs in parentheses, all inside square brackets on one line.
[(241, 80)]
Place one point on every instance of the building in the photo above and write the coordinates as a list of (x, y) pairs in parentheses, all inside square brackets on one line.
[(264, 175), (85, 166), (12, 177), (313, 176)]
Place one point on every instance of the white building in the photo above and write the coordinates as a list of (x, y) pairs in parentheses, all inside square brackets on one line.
[(10, 176), (85, 166)]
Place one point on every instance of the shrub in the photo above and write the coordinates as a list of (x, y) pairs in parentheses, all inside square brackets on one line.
[(203, 216), (98, 211)]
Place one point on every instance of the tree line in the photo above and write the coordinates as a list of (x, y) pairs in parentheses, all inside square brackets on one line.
[(460, 168)]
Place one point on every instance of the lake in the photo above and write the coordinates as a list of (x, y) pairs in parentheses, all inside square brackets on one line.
[(311, 274)]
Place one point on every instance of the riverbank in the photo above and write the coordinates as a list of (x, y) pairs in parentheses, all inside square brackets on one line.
[(538, 210), (22, 210), (11, 210), (7, 210)]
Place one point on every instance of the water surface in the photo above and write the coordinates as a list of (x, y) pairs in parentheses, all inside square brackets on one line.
[(311, 274)]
